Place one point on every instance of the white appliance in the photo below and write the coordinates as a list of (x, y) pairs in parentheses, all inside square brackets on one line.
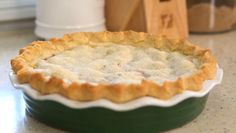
[(54, 18)]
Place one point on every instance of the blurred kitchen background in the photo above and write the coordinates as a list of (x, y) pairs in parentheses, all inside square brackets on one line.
[(175, 19), (15, 14), (208, 23)]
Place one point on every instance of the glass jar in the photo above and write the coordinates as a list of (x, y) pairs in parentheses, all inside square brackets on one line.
[(207, 16)]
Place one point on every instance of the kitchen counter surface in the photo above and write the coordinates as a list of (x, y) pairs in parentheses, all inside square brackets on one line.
[(217, 117)]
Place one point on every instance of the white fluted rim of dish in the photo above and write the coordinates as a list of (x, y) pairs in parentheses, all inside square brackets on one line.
[(134, 104)]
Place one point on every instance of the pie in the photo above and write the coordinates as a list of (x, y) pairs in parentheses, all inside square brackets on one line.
[(118, 66)]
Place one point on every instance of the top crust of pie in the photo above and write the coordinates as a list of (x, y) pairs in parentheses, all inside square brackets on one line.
[(42, 63)]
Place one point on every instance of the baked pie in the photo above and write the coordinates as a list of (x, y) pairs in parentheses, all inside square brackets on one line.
[(118, 66)]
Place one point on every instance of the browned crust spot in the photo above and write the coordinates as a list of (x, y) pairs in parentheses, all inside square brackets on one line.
[(24, 64)]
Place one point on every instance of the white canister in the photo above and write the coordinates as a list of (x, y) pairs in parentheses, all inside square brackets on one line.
[(54, 18)]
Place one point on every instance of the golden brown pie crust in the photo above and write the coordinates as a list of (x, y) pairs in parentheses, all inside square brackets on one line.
[(24, 64)]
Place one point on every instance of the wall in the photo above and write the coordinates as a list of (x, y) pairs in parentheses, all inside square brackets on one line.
[(16, 9)]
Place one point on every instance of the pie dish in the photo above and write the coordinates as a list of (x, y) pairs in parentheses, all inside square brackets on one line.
[(118, 66), (142, 115), (115, 81)]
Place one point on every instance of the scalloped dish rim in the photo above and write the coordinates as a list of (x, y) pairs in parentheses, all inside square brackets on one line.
[(131, 105)]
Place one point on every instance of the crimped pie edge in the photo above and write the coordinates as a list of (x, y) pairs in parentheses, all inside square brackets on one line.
[(23, 65)]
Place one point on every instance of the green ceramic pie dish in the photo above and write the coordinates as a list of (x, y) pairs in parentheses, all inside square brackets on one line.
[(143, 115), (149, 119)]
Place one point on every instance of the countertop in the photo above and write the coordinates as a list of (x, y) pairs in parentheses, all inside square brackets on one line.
[(217, 117)]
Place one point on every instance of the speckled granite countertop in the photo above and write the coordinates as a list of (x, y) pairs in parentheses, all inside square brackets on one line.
[(217, 117)]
